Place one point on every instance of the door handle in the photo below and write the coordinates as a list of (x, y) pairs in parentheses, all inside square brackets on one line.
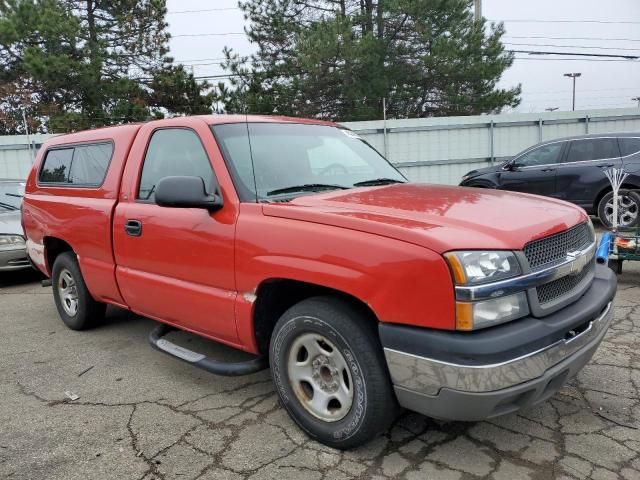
[(548, 170), (133, 228)]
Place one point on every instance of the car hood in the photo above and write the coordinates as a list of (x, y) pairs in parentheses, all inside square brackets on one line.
[(482, 171), (10, 223), (437, 217)]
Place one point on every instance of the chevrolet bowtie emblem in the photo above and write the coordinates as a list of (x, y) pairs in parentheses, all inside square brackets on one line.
[(578, 261)]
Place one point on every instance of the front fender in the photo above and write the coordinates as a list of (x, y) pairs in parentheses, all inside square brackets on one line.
[(401, 282)]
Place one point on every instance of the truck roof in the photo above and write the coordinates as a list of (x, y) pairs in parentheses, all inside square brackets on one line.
[(130, 129)]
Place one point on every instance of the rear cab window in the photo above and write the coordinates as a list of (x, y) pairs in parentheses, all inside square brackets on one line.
[(83, 165)]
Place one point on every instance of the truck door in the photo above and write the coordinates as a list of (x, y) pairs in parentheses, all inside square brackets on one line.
[(177, 264), (534, 171)]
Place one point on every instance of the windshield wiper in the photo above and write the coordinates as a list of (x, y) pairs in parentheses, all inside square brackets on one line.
[(8, 206), (309, 187), (377, 181), (14, 195)]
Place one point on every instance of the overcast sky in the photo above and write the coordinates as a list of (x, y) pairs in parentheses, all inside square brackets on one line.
[(606, 83)]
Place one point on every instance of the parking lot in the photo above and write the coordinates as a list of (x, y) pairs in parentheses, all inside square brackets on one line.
[(141, 414)]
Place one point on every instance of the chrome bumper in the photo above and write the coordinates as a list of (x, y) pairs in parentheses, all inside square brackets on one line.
[(428, 376)]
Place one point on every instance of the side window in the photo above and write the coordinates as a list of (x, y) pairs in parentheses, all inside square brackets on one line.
[(545, 155), (173, 152), (56, 166), (629, 145), (592, 149), (90, 163)]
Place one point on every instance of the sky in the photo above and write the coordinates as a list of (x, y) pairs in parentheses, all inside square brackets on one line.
[(609, 27)]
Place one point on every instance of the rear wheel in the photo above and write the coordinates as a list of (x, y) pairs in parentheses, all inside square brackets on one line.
[(76, 307), (628, 209), (330, 373)]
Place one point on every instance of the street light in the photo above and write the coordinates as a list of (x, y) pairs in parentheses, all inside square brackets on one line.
[(636, 99), (574, 76)]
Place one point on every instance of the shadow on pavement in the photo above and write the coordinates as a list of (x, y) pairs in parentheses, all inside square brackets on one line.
[(20, 277)]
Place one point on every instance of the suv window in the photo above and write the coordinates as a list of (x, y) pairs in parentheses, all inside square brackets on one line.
[(592, 149), (544, 155), (81, 165), (173, 152), (629, 145)]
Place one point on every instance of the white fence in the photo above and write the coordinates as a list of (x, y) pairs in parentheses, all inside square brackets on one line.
[(433, 150), (442, 150)]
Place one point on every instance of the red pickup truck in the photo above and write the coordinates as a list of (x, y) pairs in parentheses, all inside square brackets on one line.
[(297, 242)]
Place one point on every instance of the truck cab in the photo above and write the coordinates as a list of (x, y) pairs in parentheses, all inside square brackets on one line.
[(297, 242)]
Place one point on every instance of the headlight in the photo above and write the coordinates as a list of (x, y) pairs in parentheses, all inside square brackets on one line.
[(477, 267), (465, 178), (11, 241), (474, 316)]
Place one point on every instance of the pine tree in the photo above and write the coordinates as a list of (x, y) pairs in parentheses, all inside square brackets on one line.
[(337, 59), (94, 62)]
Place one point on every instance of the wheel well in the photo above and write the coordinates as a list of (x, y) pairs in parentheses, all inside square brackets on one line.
[(275, 297), (53, 247), (606, 190)]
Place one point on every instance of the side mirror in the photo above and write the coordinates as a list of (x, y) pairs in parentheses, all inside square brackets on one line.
[(510, 166), (186, 192)]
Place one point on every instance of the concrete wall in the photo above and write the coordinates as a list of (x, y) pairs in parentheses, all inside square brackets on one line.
[(16, 156), (434, 150)]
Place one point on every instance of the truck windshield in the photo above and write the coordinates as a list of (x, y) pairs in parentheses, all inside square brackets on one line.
[(269, 160), (11, 194)]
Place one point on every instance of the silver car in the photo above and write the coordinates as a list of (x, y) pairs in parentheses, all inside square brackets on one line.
[(13, 252)]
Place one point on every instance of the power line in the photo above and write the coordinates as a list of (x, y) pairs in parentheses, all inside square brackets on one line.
[(571, 46), (203, 10), (571, 59), (595, 39), (577, 54), (567, 21), (208, 34)]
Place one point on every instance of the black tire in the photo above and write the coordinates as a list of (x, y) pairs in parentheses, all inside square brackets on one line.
[(88, 312), (373, 404), (615, 265), (631, 201)]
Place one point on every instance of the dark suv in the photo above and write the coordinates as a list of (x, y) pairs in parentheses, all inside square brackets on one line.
[(571, 169)]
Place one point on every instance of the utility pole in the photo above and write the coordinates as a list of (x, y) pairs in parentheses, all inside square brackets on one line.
[(26, 130), (551, 109), (478, 10), (573, 76), (636, 99)]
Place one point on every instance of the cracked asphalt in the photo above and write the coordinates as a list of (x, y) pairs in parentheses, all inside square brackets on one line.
[(143, 415)]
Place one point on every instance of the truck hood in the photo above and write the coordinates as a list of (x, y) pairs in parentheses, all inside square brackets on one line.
[(10, 223), (438, 217)]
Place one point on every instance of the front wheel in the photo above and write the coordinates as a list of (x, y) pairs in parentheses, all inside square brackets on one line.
[(330, 373), (628, 209), (76, 307)]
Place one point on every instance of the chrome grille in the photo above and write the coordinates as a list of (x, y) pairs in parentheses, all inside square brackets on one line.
[(556, 289), (553, 249)]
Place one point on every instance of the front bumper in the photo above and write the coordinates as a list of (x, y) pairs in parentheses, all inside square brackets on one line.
[(479, 375), (15, 259)]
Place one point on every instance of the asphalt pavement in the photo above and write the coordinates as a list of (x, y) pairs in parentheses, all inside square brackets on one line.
[(140, 414)]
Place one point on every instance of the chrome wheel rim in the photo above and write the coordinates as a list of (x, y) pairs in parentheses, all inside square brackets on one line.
[(320, 377), (68, 292), (627, 211)]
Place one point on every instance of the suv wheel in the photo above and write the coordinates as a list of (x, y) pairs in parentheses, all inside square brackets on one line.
[(330, 373), (628, 209), (76, 306)]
